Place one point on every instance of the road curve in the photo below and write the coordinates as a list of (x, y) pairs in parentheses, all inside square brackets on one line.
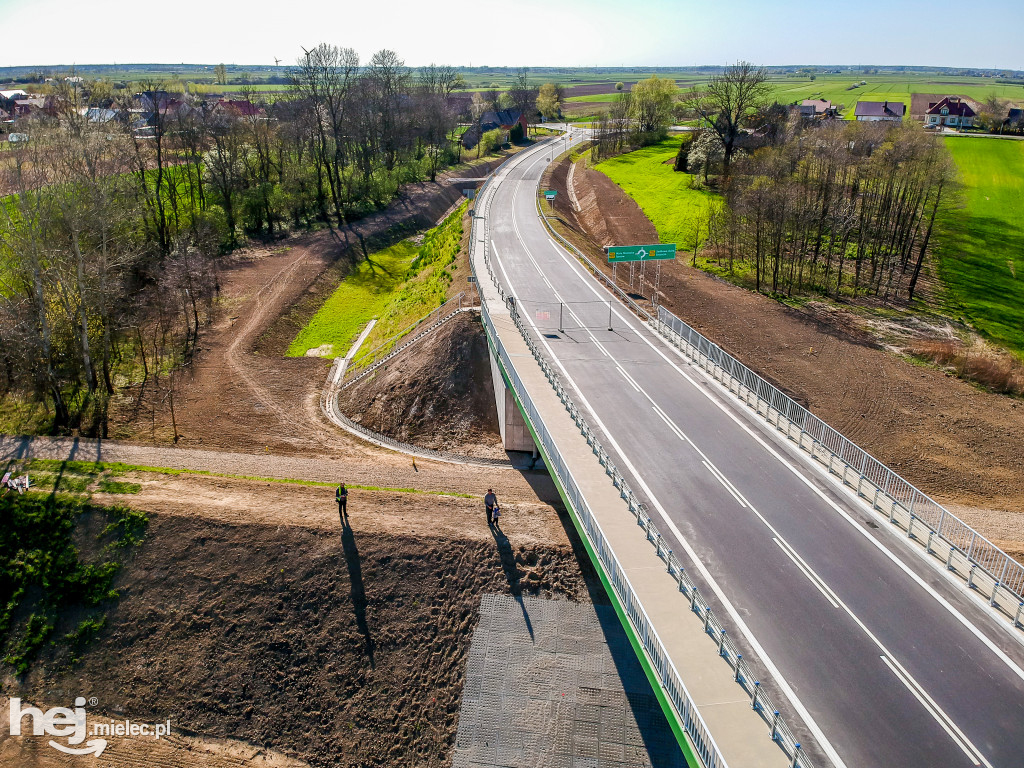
[(884, 659)]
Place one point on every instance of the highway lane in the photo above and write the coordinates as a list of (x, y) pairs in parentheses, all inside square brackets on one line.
[(886, 661)]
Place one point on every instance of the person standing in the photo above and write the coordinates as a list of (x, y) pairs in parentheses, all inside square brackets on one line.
[(341, 496), (490, 502)]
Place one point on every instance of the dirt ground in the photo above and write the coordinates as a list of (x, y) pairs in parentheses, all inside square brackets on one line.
[(251, 613), (956, 442), (241, 393), (437, 394)]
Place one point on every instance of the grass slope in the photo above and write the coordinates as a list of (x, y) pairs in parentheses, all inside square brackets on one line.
[(666, 196), (981, 247), (360, 297), (397, 285)]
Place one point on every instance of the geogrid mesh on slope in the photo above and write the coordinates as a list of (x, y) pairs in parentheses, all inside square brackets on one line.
[(553, 684)]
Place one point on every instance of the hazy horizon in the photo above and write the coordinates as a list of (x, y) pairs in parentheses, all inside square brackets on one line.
[(569, 33)]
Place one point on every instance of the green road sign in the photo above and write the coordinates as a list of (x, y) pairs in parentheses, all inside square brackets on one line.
[(617, 253), (550, 193)]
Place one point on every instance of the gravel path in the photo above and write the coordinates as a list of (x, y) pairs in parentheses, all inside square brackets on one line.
[(398, 472)]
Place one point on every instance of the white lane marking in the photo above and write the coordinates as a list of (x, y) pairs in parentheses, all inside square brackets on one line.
[(811, 576), (673, 427), (725, 483), (815, 579), (626, 377), (936, 712), (773, 669), (792, 467)]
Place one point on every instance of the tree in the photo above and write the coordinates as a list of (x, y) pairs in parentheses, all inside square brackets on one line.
[(726, 102), (705, 153), (652, 106), (220, 72), (619, 86), (549, 100), (523, 95)]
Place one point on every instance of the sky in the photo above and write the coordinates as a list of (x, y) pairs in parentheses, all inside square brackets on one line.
[(643, 33)]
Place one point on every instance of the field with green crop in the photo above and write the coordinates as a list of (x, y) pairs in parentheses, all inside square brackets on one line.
[(981, 246), (666, 196), (880, 87)]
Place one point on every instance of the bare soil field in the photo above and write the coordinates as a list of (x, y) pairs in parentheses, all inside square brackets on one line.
[(955, 441), (272, 635)]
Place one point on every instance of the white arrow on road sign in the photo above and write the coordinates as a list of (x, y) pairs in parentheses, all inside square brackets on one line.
[(642, 254)]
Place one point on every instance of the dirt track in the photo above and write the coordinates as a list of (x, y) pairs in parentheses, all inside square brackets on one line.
[(954, 441), (241, 393)]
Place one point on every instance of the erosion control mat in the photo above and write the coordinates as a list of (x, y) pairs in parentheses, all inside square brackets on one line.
[(553, 684), (332, 647), (437, 394)]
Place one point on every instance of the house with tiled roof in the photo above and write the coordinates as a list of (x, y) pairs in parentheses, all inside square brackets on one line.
[(237, 108), (816, 108), (951, 110), (873, 111)]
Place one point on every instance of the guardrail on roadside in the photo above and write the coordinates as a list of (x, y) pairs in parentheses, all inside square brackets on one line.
[(689, 716), (365, 364), (642, 313), (980, 563)]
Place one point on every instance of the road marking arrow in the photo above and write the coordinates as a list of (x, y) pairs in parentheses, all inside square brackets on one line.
[(95, 745)]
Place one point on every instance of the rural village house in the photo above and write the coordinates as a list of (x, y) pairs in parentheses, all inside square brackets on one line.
[(1014, 119), (873, 111), (503, 120), (811, 109), (952, 110)]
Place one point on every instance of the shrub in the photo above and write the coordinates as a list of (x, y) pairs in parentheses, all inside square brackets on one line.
[(516, 134), (491, 142), (976, 362)]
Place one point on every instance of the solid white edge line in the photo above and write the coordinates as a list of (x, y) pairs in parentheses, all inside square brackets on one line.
[(805, 462), (772, 668), (935, 714)]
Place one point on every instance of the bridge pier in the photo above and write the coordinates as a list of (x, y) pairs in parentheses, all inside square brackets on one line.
[(515, 435)]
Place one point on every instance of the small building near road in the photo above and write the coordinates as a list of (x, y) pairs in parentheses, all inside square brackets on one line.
[(951, 110), (503, 120), (1014, 119), (15, 94), (816, 108), (874, 111)]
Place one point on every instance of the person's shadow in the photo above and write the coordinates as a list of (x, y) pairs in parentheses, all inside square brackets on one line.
[(508, 565), (355, 577)]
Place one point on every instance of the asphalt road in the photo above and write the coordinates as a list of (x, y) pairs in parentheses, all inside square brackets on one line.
[(872, 651)]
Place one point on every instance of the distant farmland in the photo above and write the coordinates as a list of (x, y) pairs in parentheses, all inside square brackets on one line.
[(836, 88), (981, 248)]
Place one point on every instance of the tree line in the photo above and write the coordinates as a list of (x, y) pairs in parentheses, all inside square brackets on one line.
[(844, 208), (111, 228), (835, 207)]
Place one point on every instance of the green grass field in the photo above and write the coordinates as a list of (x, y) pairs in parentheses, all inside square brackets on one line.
[(880, 87), (666, 196), (360, 297), (981, 245)]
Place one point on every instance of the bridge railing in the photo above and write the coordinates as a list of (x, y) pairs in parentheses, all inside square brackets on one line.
[(689, 717), (984, 566)]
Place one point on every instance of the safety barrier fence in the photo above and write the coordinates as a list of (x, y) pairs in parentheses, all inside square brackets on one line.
[(980, 563), (675, 690), (364, 364), (593, 268)]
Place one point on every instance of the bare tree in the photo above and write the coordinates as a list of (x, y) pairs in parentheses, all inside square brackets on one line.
[(725, 103)]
